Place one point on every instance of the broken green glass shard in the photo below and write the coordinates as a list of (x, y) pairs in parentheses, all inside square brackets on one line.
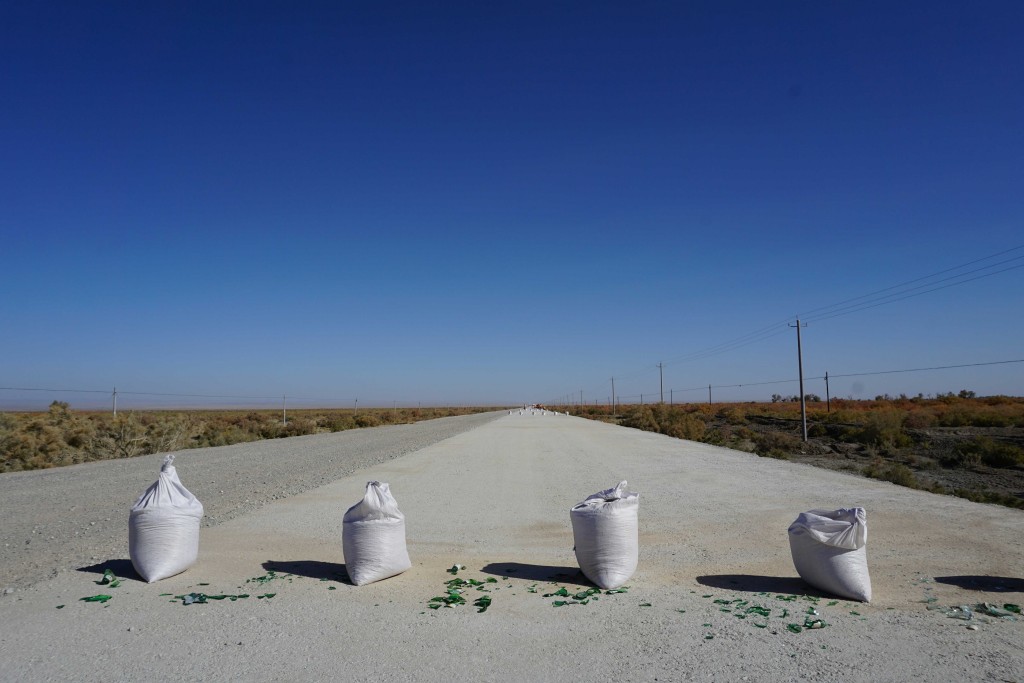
[(645, 604), (482, 603), (492, 580), (561, 592), (60, 606), (109, 579), (1010, 607), (97, 598), (559, 603), (795, 628)]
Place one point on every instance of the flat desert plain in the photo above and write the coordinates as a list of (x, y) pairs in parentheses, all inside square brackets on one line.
[(495, 498)]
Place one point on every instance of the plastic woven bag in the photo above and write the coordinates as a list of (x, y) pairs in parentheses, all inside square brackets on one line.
[(373, 537), (830, 551), (606, 531), (163, 527)]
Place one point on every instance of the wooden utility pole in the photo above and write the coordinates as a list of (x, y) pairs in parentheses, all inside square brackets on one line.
[(661, 378), (828, 399), (800, 366)]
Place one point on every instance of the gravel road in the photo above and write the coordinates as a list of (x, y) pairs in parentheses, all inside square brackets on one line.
[(60, 519), (495, 498)]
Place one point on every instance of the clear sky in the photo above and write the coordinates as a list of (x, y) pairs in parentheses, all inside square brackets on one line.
[(493, 204)]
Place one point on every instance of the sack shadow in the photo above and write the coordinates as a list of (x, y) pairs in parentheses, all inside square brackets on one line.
[(537, 572), (992, 584), (313, 569), (751, 583), (123, 569)]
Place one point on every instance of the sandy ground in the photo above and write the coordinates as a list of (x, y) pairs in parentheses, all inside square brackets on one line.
[(496, 499)]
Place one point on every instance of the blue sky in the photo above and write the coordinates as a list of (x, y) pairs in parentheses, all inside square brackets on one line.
[(466, 203)]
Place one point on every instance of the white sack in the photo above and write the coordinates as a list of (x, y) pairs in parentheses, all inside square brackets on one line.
[(830, 551), (163, 527), (373, 537), (606, 531)]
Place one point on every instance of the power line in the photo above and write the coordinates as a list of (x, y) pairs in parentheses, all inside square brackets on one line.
[(926, 277), (937, 367), (848, 306), (882, 302)]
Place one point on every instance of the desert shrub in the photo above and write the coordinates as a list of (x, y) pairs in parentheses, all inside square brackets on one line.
[(892, 472), (718, 436), (640, 417), (919, 419), (817, 430), (367, 420), (167, 433), (766, 443), (271, 429), (988, 451), (222, 436), (339, 422), (986, 496), (744, 433), (734, 415), (685, 426), (883, 429), (299, 426), (120, 437)]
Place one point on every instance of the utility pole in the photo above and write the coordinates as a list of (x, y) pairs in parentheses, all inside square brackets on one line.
[(355, 407), (661, 378), (671, 397), (613, 397), (800, 365), (115, 401), (581, 398), (709, 394), (828, 399), (284, 409)]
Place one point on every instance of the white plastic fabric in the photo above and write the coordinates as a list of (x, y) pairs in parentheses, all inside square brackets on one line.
[(163, 527), (373, 537), (830, 551), (606, 530)]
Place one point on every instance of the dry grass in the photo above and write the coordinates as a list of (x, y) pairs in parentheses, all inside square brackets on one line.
[(62, 436)]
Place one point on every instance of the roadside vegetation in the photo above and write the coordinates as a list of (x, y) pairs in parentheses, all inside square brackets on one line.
[(62, 436), (957, 444)]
